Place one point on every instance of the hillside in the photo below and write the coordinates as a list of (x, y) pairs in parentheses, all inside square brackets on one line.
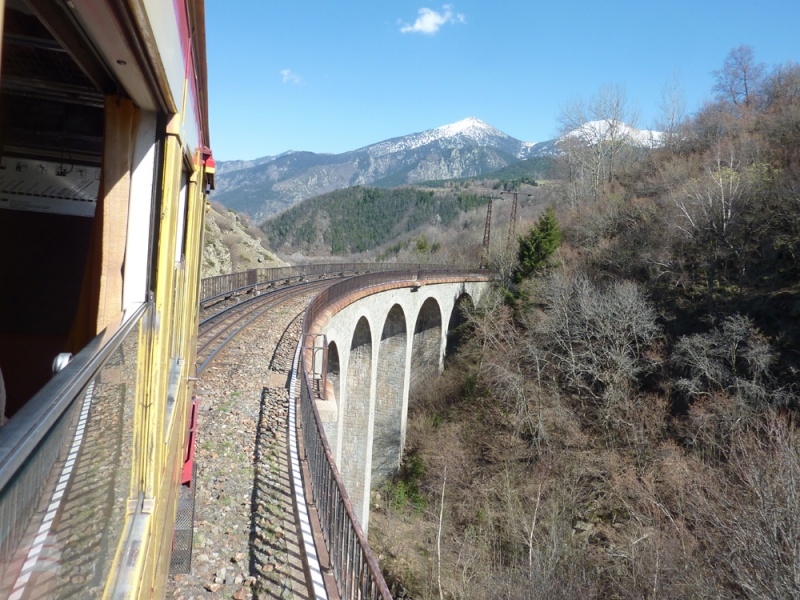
[(412, 223), (623, 418), (233, 243), (359, 219)]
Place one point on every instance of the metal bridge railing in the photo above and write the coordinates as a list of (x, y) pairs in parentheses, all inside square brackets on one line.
[(222, 285), (355, 569), (358, 575)]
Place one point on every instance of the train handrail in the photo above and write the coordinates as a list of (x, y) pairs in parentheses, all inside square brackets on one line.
[(30, 425), (355, 568)]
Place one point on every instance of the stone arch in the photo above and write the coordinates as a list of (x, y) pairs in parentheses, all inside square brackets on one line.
[(356, 415), (333, 392), (457, 325), (333, 373), (387, 437), (427, 342)]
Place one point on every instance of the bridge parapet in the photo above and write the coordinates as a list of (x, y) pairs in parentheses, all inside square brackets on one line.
[(362, 338), (221, 286)]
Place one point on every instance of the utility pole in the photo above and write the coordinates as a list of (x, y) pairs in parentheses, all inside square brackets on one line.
[(512, 224), (487, 231)]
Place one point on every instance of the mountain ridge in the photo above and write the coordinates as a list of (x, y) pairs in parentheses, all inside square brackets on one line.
[(467, 148)]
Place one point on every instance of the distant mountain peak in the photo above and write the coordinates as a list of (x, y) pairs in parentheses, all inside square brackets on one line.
[(592, 131), (468, 125), (469, 131), (466, 148)]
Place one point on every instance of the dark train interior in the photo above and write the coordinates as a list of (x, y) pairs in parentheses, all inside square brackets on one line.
[(52, 88)]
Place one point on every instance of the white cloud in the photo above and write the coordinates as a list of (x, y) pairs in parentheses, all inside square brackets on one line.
[(430, 21), (289, 77)]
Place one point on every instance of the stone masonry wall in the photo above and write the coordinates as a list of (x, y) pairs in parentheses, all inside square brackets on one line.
[(357, 415), (386, 442), (386, 337)]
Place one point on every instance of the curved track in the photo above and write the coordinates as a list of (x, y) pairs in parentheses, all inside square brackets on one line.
[(222, 326)]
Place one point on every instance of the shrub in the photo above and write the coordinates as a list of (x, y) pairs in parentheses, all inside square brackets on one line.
[(734, 358)]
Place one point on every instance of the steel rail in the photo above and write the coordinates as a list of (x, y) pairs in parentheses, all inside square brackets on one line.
[(227, 310), (260, 305)]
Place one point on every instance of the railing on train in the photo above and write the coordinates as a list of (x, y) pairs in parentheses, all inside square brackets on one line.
[(222, 285), (69, 452), (355, 569)]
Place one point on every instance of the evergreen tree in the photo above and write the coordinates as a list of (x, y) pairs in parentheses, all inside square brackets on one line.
[(540, 243)]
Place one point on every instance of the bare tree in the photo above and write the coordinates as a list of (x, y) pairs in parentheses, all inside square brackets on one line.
[(782, 86), (597, 337), (739, 78), (596, 133), (673, 112), (734, 357), (748, 515), (611, 108), (582, 169), (710, 207), (764, 550)]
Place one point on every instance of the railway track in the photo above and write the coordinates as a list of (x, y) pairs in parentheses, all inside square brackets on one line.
[(219, 328), (246, 538)]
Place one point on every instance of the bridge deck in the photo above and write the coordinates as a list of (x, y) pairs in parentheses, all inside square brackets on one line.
[(246, 537)]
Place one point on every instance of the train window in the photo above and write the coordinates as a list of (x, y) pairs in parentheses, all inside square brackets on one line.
[(143, 205), (74, 214), (183, 212)]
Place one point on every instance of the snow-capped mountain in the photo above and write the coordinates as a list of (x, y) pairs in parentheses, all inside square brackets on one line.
[(467, 132), (594, 131), (467, 148), (464, 149)]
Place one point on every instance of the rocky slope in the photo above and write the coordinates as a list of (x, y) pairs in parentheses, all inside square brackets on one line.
[(233, 243)]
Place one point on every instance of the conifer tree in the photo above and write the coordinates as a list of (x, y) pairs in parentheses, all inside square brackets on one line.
[(538, 245)]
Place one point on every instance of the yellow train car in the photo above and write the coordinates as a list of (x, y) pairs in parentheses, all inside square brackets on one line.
[(105, 169)]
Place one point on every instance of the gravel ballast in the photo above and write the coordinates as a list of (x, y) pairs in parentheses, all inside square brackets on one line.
[(245, 535)]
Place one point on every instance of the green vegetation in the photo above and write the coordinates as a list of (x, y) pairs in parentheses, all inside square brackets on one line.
[(358, 219), (538, 245), (404, 491)]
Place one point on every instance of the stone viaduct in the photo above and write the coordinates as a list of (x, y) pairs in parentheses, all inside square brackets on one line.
[(370, 349)]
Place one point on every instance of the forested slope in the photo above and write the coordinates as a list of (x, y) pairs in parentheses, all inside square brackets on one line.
[(358, 219), (622, 419)]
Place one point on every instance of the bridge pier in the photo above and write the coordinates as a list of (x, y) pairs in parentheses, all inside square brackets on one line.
[(382, 342)]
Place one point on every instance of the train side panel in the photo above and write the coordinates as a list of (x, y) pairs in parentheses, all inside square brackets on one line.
[(118, 128)]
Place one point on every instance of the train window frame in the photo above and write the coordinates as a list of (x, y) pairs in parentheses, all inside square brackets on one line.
[(183, 216), (158, 200), (145, 203), (179, 292)]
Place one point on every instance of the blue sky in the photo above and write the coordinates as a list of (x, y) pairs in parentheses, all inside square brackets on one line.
[(330, 76)]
